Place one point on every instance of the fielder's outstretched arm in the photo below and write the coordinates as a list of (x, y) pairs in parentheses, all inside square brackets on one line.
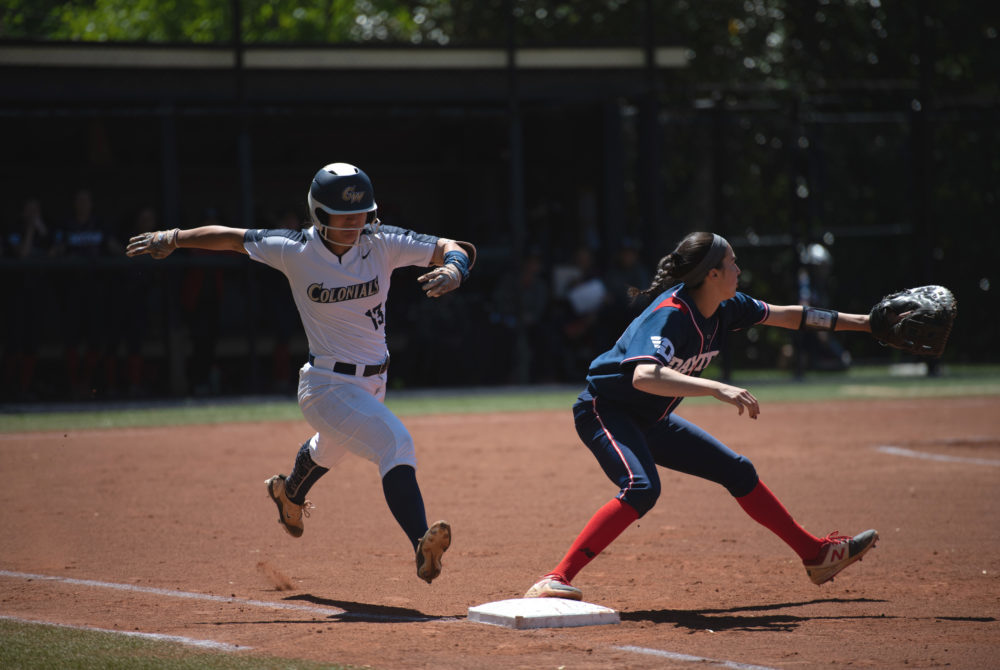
[(797, 317)]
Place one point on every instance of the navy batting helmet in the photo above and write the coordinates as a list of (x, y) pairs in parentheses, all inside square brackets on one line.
[(340, 188)]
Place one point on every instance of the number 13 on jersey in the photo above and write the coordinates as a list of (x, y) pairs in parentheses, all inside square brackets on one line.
[(376, 315)]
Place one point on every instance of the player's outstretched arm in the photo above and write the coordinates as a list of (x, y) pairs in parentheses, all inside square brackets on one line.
[(161, 243), (797, 317), (660, 380)]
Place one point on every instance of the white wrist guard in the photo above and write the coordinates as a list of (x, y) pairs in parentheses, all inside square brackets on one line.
[(814, 318)]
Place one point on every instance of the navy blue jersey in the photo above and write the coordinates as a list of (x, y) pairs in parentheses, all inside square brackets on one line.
[(671, 332)]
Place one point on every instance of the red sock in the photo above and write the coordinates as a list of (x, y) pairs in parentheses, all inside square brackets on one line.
[(764, 508), (607, 523)]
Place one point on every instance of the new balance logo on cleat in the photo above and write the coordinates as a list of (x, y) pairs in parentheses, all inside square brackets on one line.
[(837, 553)]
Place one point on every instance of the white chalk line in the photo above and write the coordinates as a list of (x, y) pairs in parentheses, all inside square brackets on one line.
[(175, 594), (674, 656), (290, 606), (910, 453), (312, 609), (189, 641)]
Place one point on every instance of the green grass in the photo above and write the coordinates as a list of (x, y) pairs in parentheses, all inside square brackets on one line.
[(31, 646), (164, 415), (868, 383), (767, 386)]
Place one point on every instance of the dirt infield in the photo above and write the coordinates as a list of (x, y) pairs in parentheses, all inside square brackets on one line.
[(169, 531)]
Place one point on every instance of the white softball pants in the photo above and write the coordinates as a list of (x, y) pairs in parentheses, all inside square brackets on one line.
[(349, 416)]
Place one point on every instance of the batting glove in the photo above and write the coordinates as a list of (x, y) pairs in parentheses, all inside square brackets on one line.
[(158, 244), (441, 280)]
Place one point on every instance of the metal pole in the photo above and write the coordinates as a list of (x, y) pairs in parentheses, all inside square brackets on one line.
[(718, 202), (798, 226), (925, 223), (245, 160), (649, 135), (169, 181), (516, 194)]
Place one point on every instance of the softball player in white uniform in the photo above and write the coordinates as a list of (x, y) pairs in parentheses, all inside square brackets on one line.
[(339, 272)]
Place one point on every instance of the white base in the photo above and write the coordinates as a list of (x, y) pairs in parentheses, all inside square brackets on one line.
[(542, 613)]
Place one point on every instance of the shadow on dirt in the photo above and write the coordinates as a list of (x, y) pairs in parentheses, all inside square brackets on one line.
[(727, 619), (368, 612)]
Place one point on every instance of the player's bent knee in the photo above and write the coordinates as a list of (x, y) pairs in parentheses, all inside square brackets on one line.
[(403, 454), (741, 478), (642, 498)]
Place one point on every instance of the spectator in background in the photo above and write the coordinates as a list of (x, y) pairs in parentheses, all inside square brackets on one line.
[(819, 350), (580, 297), (31, 238), (201, 294), (26, 239), (84, 234), (140, 291), (82, 239), (626, 271), (520, 354)]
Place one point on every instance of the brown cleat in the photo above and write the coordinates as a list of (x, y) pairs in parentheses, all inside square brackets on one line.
[(289, 514), (431, 546)]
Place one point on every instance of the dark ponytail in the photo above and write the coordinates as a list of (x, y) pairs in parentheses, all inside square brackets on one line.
[(678, 263)]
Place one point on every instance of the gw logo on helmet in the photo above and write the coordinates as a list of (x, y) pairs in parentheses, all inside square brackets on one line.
[(351, 196)]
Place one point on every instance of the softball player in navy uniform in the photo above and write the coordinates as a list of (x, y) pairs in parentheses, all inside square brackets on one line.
[(626, 417), (339, 271)]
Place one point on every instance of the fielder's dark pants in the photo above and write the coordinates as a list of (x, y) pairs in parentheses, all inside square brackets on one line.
[(629, 450)]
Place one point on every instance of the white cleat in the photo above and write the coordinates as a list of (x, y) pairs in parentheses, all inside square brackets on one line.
[(553, 587), (837, 553)]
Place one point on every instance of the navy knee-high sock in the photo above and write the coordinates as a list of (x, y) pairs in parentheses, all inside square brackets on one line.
[(305, 473), (405, 502)]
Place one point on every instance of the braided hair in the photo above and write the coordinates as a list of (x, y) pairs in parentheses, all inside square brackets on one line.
[(691, 250)]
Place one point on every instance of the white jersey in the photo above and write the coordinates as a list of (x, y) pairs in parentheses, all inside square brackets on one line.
[(341, 300)]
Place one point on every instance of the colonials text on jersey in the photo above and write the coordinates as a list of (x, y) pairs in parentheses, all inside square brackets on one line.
[(317, 293)]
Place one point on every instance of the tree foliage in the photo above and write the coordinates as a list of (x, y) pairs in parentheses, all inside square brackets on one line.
[(199, 21), (781, 43)]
